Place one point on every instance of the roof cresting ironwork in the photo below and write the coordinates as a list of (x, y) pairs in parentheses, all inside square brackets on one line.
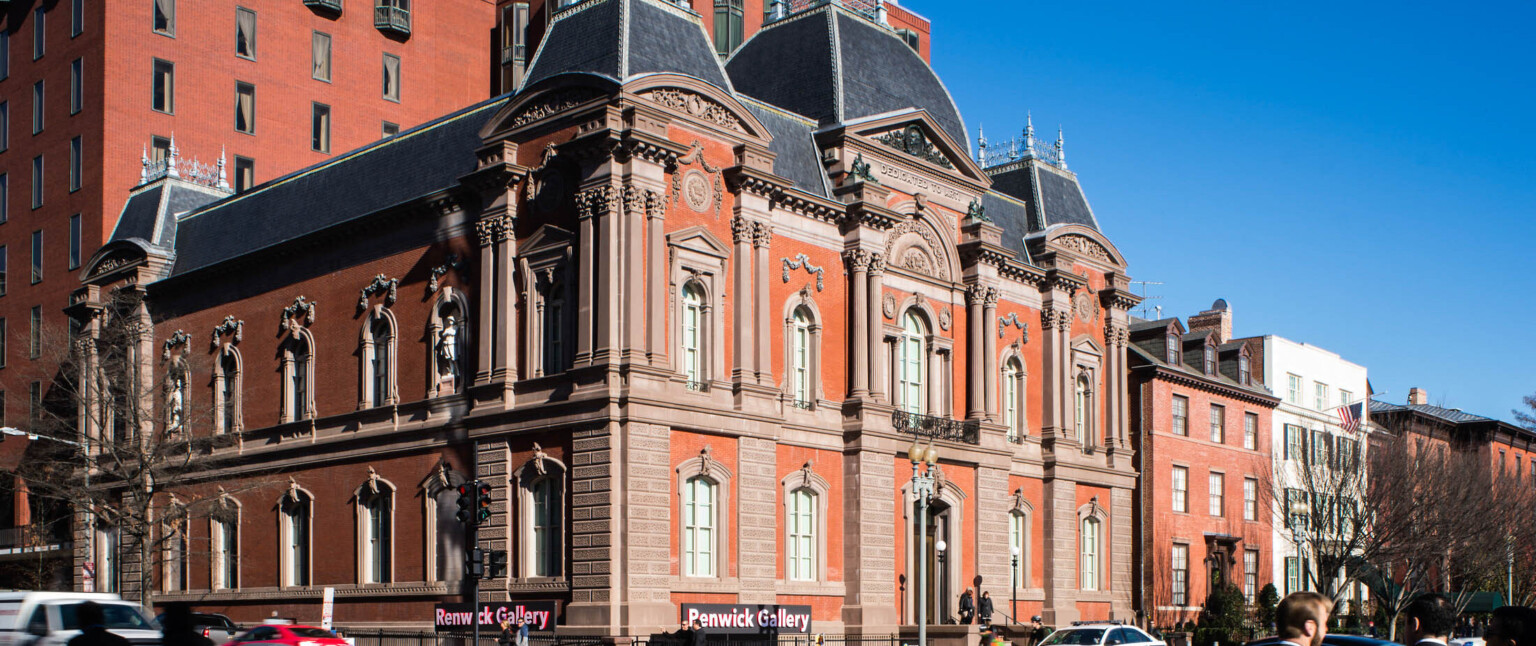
[(173, 166), (1025, 146)]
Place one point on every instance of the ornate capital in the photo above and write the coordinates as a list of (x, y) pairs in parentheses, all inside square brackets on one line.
[(857, 259), (595, 201), (1115, 334), (975, 293), (655, 204), (1052, 317), (741, 230), (494, 228), (992, 296), (762, 234), (876, 263)]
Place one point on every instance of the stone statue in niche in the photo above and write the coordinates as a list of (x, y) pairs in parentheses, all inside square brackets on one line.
[(448, 353), (175, 399)]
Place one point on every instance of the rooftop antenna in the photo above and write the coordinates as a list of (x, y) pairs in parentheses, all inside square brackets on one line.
[(1147, 307)]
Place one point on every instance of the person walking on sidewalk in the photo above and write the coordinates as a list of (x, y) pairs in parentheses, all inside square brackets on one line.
[(984, 608), (967, 607)]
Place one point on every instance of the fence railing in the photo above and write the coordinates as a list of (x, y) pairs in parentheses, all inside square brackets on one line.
[(942, 428), (381, 637)]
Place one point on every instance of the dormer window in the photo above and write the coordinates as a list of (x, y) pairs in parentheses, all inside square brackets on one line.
[(1244, 375), (1210, 360), (1173, 349)]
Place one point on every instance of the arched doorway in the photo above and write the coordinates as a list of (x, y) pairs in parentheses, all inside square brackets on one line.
[(936, 595)]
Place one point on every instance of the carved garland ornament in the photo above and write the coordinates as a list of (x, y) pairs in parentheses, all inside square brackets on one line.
[(1013, 320), (178, 339), (450, 263), (802, 260), (299, 307), (695, 105), (229, 326), (381, 284)]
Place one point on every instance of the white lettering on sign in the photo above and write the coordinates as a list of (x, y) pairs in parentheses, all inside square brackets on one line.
[(922, 183), (748, 618)]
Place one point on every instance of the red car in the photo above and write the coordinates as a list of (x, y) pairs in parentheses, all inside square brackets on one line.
[(289, 635)]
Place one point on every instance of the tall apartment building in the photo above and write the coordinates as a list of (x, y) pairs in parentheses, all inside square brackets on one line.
[(97, 98)]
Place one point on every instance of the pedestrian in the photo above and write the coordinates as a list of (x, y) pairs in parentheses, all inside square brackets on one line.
[(1037, 631), (1430, 620), (967, 607), (522, 631), (505, 638), (1302, 618), (697, 638), (93, 627), (178, 629), (984, 609), (1510, 626)]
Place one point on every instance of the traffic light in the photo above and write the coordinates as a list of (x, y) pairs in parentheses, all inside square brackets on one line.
[(483, 502), (474, 563), (496, 564), (466, 513)]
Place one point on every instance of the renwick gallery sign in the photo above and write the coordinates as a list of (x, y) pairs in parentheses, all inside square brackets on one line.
[(748, 619)]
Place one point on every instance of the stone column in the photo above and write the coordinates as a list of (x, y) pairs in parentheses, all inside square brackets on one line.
[(975, 293), (989, 353), (935, 381), (486, 230), (634, 279), (757, 520), (587, 202), (609, 278), (505, 369), (762, 237), (1056, 418), (869, 542), (656, 276), (879, 366), (743, 351), (858, 265)]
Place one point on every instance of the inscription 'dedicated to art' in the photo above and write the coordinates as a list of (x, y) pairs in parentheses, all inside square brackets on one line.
[(922, 183)]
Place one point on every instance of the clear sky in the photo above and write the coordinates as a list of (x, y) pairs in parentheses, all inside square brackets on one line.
[(1353, 175)]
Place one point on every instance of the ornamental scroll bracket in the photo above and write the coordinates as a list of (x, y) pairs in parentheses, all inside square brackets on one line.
[(802, 260), (300, 306), (229, 326), (381, 284), (450, 263)]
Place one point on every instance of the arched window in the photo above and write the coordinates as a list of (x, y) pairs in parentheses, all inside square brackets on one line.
[(554, 329), (693, 336), (1013, 398), (1089, 563), (225, 533), (376, 511), (174, 573), (699, 497), (226, 388), (298, 375), (1084, 409), (548, 553), (294, 535), (445, 539), (379, 361), (913, 363), (108, 561), (1018, 535), (800, 358), (801, 517), (447, 334)]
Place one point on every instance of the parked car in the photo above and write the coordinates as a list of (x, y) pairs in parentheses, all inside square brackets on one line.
[(289, 635), (1331, 640), (214, 626), (49, 618), (1101, 634)]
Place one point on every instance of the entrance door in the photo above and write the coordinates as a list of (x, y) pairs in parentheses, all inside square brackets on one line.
[(935, 593)]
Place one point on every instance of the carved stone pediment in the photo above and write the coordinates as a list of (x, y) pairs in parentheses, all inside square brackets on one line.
[(915, 141), (694, 105), (1083, 245), (550, 104)]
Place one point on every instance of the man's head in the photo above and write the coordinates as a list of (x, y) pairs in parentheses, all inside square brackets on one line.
[(90, 614), (1302, 617), (1512, 626), (985, 593), (1430, 616), (1035, 620), (697, 625)]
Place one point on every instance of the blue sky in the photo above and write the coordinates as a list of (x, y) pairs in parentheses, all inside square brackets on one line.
[(1353, 175)]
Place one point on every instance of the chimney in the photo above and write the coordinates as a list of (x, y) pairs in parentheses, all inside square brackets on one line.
[(1418, 397), (1218, 318)]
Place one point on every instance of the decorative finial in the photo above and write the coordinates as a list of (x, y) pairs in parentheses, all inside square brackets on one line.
[(981, 144), (880, 13), (1061, 149), (144, 163), (223, 178), (170, 160), (1029, 134)]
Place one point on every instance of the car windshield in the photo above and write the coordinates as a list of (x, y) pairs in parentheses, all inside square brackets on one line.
[(306, 631), (210, 620), (119, 617), (1082, 637)]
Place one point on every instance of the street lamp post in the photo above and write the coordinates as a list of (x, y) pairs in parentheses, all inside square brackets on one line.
[(1013, 609), (941, 592), (922, 489)]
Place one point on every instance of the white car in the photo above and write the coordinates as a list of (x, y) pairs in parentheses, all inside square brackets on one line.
[(1101, 634), (48, 618)]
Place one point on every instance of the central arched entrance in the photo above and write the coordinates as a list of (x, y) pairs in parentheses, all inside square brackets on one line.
[(936, 594)]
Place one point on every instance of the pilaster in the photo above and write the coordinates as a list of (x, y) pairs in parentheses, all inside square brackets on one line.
[(879, 359), (1060, 552), (762, 238), (975, 293), (593, 510), (993, 502), (990, 373), (869, 542), (757, 520), (743, 350), (1121, 540), (858, 261), (647, 547)]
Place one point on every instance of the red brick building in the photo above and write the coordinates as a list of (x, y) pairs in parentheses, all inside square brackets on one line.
[(686, 317), (1202, 421), (89, 90)]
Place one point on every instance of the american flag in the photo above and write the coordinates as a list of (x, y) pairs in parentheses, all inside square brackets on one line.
[(1349, 416)]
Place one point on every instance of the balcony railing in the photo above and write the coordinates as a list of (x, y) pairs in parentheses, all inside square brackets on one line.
[(392, 18), (328, 5), (941, 428), (696, 386)]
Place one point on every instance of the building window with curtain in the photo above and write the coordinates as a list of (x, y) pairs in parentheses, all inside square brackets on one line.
[(245, 33), (320, 130), (548, 552), (165, 17), (728, 26), (378, 527), (693, 336), (801, 559), (245, 108), (1180, 575), (226, 552), (320, 56), (245, 174), (1018, 533), (913, 363), (392, 78), (699, 527), (1089, 562), (163, 96)]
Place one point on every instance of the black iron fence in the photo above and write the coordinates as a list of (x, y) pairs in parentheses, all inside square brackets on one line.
[(773, 640), (954, 430), (380, 637)]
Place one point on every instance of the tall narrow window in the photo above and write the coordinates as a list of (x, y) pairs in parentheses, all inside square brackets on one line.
[(1244, 373), (5, 54), (1250, 574), (800, 370), (1018, 532), (299, 369), (728, 26), (3, 268), (37, 107), (245, 33), (37, 257), (693, 321), (914, 363), (554, 329), (1250, 431), (1250, 499), (379, 353), (1218, 424), (320, 128), (3, 354), (1180, 410), (699, 527), (1181, 489), (1295, 442), (76, 85), (801, 559), (76, 17), (1292, 575), (175, 558), (226, 553), (1171, 349), (1218, 494), (245, 174), (1013, 398), (159, 149), (1084, 410), (1210, 360), (320, 56), (245, 108), (1320, 396), (229, 392), (296, 510), (163, 97), (1089, 563), (548, 553), (39, 32), (165, 17), (378, 523), (107, 541), (5, 197), (1293, 390), (5, 123), (1180, 574), (75, 171), (392, 77)]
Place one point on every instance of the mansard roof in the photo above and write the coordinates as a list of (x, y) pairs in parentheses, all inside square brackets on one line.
[(414, 164), (1148, 352), (794, 146), (623, 39), (1053, 195), (836, 66), (1013, 216), (151, 210)]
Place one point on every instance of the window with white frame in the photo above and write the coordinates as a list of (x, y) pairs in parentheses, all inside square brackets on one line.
[(225, 534), (699, 495), (800, 358), (379, 343), (1084, 409), (800, 562), (1295, 442), (548, 552), (165, 17), (1018, 535), (1013, 398), (1293, 576), (913, 363), (693, 335), (1172, 342), (295, 517), (1293, 392), (1180, 574), (1251, 431), (1345, 397), (1180, 410), (174, 553), (1181, 489), (1244, 372), (1320, 395), (1089, 562), (1218, 424), (376, 511), (1250, 499), (554, 328), (1210, 359), (226, 390), (298, 375), (1250, 575), (108, 558), (1218, 494)]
